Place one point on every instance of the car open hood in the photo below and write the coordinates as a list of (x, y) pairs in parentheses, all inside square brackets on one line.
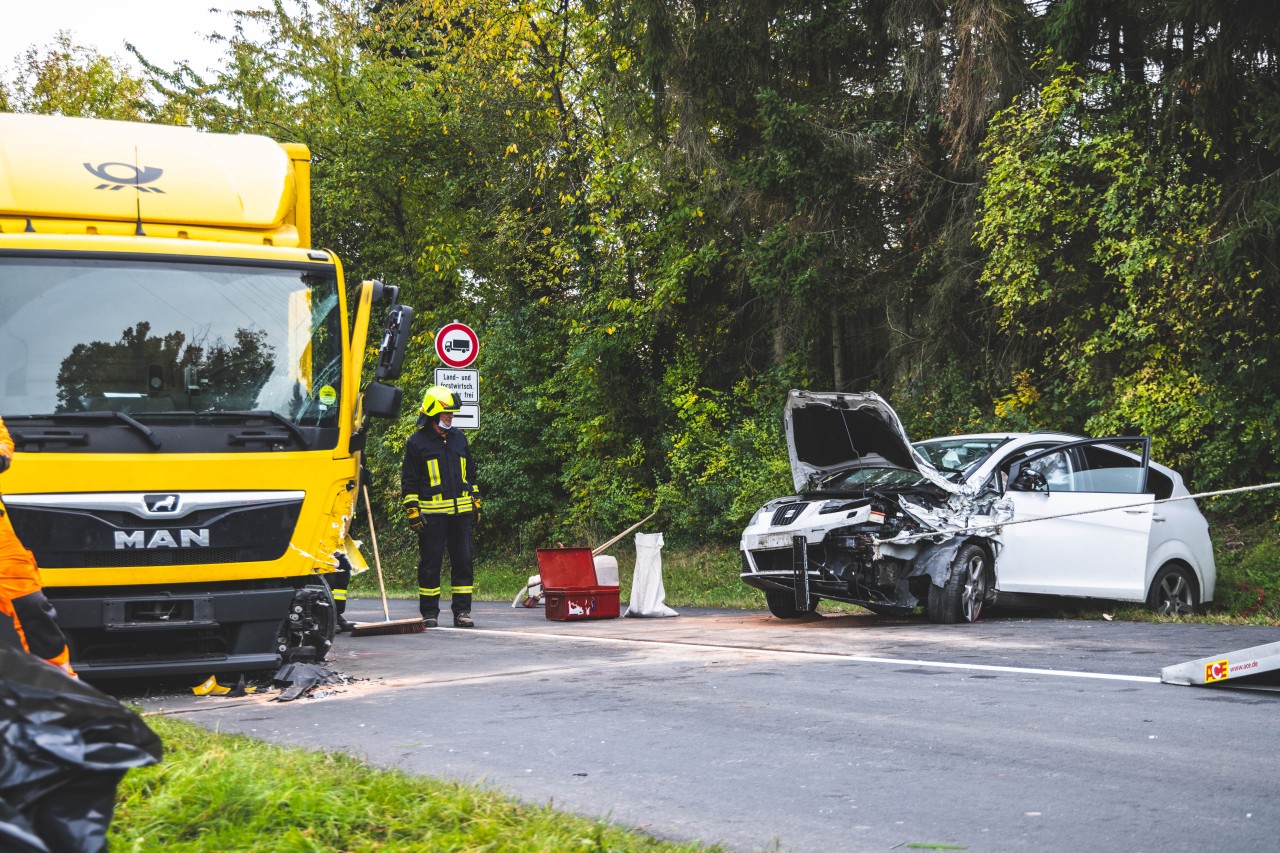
[(828, 431)]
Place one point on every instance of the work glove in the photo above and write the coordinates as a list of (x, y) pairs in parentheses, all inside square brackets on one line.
[(475, 498), (4, 466), (415, 519)]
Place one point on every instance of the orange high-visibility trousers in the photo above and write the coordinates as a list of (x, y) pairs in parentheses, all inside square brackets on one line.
[(23, 602)]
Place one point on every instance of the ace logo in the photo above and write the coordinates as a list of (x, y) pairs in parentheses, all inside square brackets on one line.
[(1216, 671)]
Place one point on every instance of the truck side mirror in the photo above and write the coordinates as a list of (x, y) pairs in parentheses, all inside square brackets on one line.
[(395, 340), (382, 401), (384, 293)]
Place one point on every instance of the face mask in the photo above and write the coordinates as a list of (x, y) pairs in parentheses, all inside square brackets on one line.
[(444, 426)]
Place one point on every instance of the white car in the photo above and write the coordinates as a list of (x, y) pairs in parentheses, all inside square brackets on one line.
[(958, 523)]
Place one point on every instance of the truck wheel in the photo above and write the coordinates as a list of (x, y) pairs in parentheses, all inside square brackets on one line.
[(782, 603), (307, 632), (961, 598)]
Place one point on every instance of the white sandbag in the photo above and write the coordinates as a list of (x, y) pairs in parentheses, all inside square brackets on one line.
[(531, 595), (606, 570), (648, 595)]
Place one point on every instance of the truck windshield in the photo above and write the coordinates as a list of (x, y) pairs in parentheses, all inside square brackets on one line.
[(148, 337)]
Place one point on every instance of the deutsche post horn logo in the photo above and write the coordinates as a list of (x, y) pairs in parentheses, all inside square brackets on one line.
[(117, 176)]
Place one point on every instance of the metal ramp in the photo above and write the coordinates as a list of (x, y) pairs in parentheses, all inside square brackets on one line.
[(1256, 667)]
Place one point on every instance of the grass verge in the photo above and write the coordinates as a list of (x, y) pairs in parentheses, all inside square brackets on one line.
[(692, 576), (215, 792)]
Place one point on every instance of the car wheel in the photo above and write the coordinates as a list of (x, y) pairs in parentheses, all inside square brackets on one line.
[(961, 598), (1174, 591), (782, 603)]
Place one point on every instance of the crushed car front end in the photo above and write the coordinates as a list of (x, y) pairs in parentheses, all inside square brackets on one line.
[(872, 522), (833, 548)]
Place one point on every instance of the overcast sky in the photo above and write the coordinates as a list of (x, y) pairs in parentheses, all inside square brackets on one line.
[(165, 31)]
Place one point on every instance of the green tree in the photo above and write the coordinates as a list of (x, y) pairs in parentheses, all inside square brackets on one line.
[(64, 78), (1103, 229)]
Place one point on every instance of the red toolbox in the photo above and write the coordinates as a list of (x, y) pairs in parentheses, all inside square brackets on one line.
[(569, 586)]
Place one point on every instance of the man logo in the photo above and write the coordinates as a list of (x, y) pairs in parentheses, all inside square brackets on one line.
[(134, 177), (162, 539), (161, 503)]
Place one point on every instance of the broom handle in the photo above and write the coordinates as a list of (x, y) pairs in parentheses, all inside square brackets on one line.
[(377, 561), (600, 550)]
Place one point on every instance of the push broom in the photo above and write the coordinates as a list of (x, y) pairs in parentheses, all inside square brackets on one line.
[(387, 626)]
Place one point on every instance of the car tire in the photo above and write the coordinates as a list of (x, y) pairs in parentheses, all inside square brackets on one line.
[(961, 598), (782, 603), (1174, 591)]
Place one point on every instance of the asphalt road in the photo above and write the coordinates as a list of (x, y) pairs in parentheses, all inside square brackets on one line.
[(837, 733)]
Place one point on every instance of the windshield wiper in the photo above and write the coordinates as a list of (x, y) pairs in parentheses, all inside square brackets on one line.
[(110, 414), (270, 415)]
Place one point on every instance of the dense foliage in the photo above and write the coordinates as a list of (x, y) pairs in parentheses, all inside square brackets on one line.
[(661, 214)]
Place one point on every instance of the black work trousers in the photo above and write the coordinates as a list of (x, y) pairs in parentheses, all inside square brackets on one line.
[(440, 532)]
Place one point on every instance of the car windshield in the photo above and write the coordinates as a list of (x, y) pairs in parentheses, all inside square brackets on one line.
[(954, 457), (860, 479)]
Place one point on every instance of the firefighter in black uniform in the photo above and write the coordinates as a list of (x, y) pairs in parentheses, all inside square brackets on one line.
[(440, 499)]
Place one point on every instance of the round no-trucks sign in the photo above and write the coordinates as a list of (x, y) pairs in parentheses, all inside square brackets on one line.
[(457, 345)]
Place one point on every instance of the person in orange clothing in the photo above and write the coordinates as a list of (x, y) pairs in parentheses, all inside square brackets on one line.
[(25, 613)]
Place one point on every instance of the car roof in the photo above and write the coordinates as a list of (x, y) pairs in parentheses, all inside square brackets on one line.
[(1030, 437), (1008, 436)]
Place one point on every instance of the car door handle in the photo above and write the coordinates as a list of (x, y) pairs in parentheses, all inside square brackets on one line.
[(1140, 510), (1155, 516)]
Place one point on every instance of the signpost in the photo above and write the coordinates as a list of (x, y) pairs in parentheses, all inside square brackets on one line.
[(457, 346)]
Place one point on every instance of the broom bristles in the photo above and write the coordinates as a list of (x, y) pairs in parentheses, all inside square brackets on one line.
[(401, 626)]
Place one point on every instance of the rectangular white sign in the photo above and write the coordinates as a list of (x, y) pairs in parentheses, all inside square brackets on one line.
[(463, 383), (467, 417)]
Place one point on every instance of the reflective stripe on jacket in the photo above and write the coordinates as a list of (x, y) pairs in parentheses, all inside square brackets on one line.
[(436, 475)]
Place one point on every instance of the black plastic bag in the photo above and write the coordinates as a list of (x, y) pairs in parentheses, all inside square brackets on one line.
[(64, 747)]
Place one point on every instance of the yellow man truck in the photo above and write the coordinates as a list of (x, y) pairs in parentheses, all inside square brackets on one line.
[(181, 373)]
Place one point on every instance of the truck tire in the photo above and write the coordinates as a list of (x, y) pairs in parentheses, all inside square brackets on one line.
[(307, 632)]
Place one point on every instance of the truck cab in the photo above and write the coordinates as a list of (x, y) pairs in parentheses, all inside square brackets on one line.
[(180, 371)]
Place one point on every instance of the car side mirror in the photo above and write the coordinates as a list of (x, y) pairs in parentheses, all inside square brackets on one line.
[(1029, 480)]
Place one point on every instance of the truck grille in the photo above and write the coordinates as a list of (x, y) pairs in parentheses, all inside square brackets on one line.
[(124, 559), (75, 539)]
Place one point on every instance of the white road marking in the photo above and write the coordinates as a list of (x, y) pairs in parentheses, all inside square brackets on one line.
[(1013, 670)]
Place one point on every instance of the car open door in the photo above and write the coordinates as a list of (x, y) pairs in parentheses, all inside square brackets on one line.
[(1097, 511)]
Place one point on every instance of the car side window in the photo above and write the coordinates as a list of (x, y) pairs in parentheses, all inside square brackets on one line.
[(1105, 470), (1017, 457), (1159, 484), (1056, 469)]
